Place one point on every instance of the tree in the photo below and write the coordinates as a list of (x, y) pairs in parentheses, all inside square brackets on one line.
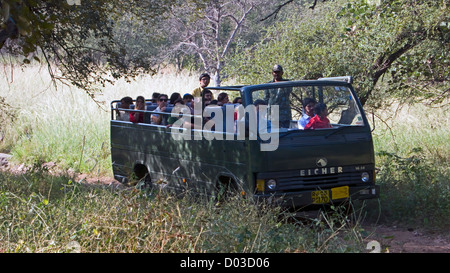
[(407, 36), (210, 31), (76, 37), (405, 41)]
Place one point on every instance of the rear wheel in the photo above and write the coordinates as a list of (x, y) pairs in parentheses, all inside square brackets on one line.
[(142, 177)]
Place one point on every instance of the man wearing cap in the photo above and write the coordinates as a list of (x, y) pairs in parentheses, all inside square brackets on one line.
[(280, 97), (277, 73), (204, 82)]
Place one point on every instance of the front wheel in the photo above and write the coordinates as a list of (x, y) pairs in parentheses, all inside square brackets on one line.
[(226, 189)]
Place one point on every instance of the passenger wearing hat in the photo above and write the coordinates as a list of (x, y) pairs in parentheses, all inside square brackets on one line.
[(204, 82), (280, 97), (277, 73)]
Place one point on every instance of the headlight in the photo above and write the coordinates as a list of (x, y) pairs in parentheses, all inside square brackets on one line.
[(365, 177), (271, 184)]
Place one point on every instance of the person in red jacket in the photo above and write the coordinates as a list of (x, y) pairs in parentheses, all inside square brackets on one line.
[(138, 116), (320, 120)]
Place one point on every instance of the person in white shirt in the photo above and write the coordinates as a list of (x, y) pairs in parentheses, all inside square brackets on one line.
[(125, 103), (308, 112), (158, 119)]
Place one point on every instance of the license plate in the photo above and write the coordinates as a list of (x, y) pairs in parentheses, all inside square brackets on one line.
[(339, 192), (320, 197)]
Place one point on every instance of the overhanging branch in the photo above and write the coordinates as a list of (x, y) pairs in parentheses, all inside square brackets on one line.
[(10, 31)]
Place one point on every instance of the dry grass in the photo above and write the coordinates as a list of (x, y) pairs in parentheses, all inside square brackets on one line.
[(42, 214), (62, 124), (412, 144)]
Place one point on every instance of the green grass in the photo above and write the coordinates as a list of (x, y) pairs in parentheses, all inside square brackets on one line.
[(412, 156), (63, 124), (41, 213)]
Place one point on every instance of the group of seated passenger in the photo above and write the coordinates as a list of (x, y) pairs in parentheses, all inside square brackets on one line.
[(314, 116), (314, 113), (140, 105), (207, 101)]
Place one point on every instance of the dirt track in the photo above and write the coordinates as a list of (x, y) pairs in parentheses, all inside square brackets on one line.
[(402, 240), (391, 239)]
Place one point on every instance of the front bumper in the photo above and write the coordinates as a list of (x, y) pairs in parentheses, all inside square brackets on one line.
[(303, 199)]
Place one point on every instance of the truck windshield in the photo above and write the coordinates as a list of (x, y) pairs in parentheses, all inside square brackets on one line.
[(298, 104)]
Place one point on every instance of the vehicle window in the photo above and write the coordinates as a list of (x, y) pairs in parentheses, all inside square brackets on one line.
[(342, 109)]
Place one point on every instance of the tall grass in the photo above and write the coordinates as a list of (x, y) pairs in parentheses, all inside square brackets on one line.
[(412, 146), (402, 128), (43, 213), (63, 124)]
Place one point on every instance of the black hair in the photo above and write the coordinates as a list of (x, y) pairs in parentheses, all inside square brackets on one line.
[(259, 102), (155, 96), (204, 75), (222, 96), (307, 101), (140, 97), (174, 97), (319, 108), (127, 99), (162, 95), (206, 91)]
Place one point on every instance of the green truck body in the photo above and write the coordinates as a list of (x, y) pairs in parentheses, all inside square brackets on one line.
[(304, 167)]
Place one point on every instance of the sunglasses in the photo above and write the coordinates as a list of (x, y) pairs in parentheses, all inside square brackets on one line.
[(164, 100)]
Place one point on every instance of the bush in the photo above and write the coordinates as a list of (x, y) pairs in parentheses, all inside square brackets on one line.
[(414, 189)]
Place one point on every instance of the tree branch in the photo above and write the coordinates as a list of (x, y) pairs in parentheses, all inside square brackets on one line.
[(275, 12), (236, 28), (315, 3), (383, 63)]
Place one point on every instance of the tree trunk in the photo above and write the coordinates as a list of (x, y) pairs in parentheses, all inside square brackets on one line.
[(217, 79)]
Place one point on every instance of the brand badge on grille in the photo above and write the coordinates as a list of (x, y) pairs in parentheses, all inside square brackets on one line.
[(321, 162)]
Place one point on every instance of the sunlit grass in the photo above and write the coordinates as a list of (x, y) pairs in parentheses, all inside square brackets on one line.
[(63, 124), (412, 147), (401, 129), (43, 213)]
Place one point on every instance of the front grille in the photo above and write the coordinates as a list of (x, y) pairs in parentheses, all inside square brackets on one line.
[(288, 184)]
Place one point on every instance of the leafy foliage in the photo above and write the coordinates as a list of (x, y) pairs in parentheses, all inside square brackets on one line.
[(78, 39), (408, 39)]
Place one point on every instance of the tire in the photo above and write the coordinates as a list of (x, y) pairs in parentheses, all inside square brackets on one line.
[(226, 189), (142, 175)]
